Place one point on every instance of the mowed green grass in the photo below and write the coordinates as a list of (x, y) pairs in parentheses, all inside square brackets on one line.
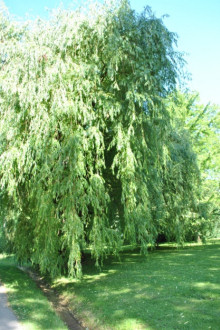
[(28, 302), (168, 289)]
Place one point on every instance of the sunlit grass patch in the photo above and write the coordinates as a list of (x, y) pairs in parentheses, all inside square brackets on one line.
[(28, 302), (168, 289)]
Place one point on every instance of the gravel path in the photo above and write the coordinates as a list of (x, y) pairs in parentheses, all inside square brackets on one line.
[(8, 320)]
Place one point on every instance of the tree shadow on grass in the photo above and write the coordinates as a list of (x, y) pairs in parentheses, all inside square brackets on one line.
[(168, 289)]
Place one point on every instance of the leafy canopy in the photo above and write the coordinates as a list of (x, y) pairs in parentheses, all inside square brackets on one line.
[(88, 154)]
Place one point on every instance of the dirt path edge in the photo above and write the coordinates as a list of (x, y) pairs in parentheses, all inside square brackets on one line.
[(58, 304)]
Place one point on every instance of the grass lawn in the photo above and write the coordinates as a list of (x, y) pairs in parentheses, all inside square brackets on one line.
[(168, 289), (27, 301)]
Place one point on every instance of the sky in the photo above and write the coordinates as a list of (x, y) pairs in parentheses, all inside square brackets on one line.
[(196, 22)]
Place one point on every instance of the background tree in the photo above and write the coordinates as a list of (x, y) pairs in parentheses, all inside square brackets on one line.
[(203, 126)]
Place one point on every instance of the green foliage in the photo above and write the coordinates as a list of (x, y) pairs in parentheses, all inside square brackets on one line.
[(202, 124), (89, 156)]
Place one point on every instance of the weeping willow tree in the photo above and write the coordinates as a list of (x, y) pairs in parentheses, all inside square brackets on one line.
[(88, 154)]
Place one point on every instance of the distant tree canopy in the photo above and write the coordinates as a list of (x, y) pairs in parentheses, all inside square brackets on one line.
[(203, 126), (89, 155)]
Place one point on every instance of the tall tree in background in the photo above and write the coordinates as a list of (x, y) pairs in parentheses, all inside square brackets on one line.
[(203, 126), (88, 154)]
